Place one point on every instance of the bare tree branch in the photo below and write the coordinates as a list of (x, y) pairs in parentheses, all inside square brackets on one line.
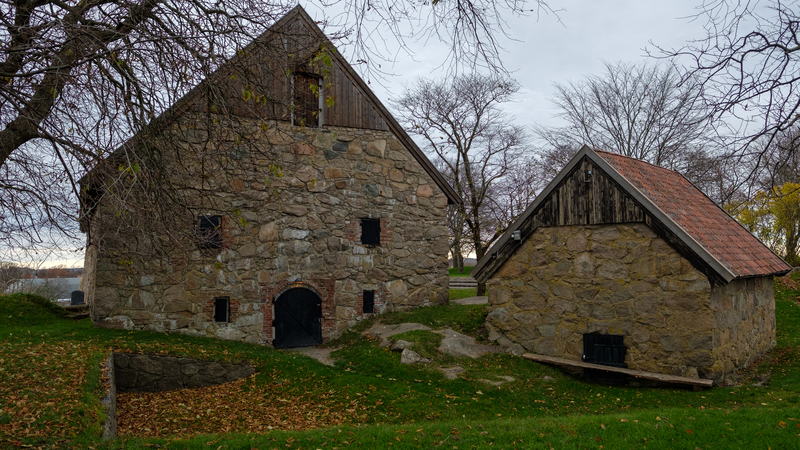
[(463, 124)]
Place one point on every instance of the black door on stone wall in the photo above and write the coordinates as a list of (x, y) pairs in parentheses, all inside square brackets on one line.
[(298, 319)]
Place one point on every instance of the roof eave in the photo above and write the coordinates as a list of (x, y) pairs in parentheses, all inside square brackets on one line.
[(477, 271)]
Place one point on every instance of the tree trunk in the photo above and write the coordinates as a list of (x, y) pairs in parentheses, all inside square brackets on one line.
[(479, 252), (792, 239)]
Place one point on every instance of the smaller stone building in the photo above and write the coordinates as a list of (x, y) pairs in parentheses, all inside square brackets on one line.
[(622, 262)]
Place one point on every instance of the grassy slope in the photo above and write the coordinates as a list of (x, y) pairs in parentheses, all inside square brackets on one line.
[(454, 271), (383, 403)]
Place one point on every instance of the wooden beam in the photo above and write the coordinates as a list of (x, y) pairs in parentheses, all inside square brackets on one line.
[(698, 382)]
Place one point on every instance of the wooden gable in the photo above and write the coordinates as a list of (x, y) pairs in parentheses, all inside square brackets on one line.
[(258, 83), (586, 196), (585, 193), (266, 79)]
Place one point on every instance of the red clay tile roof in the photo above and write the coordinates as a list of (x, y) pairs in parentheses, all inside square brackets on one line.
[(708, 224)]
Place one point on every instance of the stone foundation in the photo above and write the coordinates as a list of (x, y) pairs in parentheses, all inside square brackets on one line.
[(624, 280)]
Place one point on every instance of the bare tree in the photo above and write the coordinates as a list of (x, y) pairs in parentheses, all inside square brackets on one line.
[(78, 79), (748, 65), (455, 223), (637, 110), (462, 122), (511, 195), (50, 288), (472, 29), (9, 273)]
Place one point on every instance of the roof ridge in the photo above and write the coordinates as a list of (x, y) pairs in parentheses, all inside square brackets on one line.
[(620, 155)]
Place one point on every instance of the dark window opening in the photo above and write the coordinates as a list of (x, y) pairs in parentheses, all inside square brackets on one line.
[(222, 309), (606, 350), (209, 231), (306, 100), (371, 231), (368, 303)]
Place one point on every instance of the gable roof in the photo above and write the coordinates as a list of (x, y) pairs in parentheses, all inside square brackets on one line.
[(278, 29), (695, 220)]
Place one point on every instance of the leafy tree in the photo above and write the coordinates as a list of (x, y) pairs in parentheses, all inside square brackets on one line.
[(774, 217), (463, 124)]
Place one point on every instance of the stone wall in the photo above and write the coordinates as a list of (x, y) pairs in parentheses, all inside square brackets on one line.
[(625, 280), (292, 200), (744, 318), (153, 373)]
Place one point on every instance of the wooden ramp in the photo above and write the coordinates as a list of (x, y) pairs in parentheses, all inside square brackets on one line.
[(696, 382)]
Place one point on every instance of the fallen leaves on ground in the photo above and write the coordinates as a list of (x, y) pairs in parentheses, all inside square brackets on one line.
[(238, 406), (40, 384)]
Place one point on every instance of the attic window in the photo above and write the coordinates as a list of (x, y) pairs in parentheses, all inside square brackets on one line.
[(368, 303), (222, 309), (371, 231), (307, 100), (209, 231)]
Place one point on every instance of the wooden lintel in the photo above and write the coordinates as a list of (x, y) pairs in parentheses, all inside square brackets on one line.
[(699, 382)]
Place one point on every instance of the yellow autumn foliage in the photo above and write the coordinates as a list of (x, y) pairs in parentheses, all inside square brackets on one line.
[(774, 217)]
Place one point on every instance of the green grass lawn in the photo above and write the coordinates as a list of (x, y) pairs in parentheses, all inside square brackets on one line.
[(51, 385), (456, 294), (454, 271)]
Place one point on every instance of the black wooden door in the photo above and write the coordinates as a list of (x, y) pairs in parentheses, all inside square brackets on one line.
[(298, 319)]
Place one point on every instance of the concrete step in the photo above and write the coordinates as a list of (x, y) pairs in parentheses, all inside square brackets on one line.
[(463, 283)]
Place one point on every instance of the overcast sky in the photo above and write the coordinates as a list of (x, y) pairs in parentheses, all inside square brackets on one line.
[(545, 51)]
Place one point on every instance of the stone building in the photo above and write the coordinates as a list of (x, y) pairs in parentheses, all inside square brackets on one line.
[(299, 205), (625, 263)]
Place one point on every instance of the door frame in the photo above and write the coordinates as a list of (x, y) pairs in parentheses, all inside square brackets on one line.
[(322, 287)]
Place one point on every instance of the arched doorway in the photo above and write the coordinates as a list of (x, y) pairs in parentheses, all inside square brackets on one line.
[(298, 318)]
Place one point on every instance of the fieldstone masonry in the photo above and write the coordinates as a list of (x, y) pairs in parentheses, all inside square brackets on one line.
[(625, 280), (153, 373), (302, 225)]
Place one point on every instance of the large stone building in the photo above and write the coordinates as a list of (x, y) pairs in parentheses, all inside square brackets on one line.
[(300, 205), (625, 263)]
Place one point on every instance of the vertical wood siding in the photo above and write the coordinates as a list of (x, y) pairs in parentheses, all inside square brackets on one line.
[(261, 70), (584, 198)]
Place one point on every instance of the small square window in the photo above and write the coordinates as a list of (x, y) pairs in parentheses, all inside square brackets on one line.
[(368, 303), (209, 231), (222, 309), (371, 231)]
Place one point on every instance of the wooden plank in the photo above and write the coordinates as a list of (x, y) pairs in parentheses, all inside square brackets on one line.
[(634, 373)]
